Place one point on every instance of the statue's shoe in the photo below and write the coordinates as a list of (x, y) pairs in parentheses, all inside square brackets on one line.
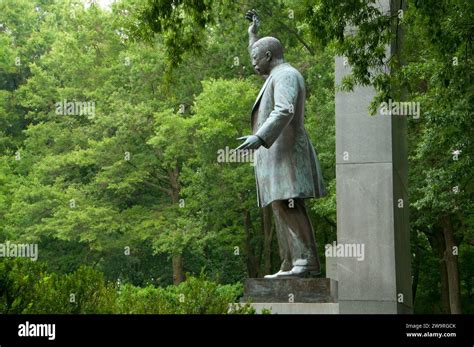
[(275, 275), (299, 271)]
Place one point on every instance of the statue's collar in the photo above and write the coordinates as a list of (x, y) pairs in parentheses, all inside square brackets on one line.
[(278, 68)]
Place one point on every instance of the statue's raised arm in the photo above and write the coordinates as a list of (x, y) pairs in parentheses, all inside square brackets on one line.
[(252, 16)]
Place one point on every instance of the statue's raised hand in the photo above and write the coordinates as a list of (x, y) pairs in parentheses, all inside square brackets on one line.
[(252, 16)]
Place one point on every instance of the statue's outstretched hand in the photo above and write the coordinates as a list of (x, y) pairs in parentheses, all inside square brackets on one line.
[(252, 16), (251, 142)]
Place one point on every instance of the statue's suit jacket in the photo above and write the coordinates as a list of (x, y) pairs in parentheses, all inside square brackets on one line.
[(286, 166)]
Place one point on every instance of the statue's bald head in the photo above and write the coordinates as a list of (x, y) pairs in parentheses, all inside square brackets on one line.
[(266, 54), (270, 44)]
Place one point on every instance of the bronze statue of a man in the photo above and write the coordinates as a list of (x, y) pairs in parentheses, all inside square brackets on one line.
[(287, 169)]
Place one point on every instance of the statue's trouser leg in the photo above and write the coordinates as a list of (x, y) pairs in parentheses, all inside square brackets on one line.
[(295, 232), (283, 246)]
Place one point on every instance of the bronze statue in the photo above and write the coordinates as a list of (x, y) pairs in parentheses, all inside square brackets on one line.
[(287, 169)]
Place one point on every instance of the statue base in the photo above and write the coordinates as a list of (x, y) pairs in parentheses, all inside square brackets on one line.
[(290, 290)]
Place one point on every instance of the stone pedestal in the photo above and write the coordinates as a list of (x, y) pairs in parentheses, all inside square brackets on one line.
[(297, 308), (290, 290), (292, 295)]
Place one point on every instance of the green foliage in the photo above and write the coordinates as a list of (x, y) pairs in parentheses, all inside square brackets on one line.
[(26, 288), (142, 172), (196, 295)]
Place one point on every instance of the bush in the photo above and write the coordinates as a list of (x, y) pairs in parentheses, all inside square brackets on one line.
[(83, 291), (196, 295), (17, 280), (26, 288)]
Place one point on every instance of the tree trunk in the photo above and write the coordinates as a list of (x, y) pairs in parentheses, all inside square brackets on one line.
[(438, 245), (267, 231), (452, 267), (416, 273), (178, 275), (444, 287), (177, 259)]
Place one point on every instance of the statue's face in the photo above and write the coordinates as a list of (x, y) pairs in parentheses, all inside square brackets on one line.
[(261, 61)]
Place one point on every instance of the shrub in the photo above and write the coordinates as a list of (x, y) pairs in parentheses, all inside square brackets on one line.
[(26, 288), (196, 295)]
